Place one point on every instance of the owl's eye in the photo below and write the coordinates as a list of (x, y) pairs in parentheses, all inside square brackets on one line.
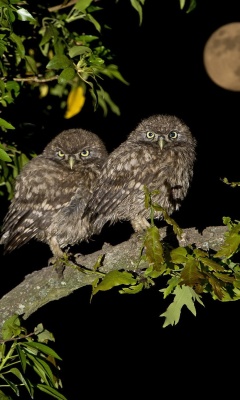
[(85, 153), (173, 135), (150, 135), (60, 154)]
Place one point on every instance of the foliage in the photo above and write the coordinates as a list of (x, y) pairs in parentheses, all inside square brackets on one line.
[(192, 272), (46, 49), (190, 5), (23, 354), (10, 165), (58, 51)]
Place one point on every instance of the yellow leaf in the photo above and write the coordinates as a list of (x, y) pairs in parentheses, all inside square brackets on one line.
[(43, 90), (75, 102)]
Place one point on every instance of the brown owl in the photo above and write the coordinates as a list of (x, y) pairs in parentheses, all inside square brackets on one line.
[(158, 154), (68, 166)]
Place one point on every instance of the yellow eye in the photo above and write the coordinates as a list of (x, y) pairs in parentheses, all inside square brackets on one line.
[(85, 153), (150, 135), (60, 154), (173, 135)]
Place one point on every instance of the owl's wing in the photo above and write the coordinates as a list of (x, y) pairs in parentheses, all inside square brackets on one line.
[(118, 181), (110, 195), (18, 229), (41, 191)]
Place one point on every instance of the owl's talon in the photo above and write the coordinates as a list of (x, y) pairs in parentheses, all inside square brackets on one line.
[(51, 261), (141, 235), (59, 264), (60, 267)]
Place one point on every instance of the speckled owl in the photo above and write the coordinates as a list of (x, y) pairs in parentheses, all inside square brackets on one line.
[(67, 167), (158, 154)]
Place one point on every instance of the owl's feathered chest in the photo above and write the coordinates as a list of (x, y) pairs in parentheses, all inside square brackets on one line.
[(55, 176), (150, 161)]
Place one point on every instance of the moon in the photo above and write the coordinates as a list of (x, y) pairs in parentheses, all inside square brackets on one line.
[(221, 56)]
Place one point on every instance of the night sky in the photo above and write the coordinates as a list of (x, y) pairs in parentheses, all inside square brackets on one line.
[(118, 340)]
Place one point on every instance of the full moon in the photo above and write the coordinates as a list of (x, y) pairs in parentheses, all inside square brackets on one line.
[(221, 56)]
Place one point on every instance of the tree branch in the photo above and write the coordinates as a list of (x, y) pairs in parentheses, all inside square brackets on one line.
[(44, 286)]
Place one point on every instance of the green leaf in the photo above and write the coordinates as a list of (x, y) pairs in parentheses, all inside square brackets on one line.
[(191, 6), (105, 100), (172, 283), (51, 391), (4, 156), (191, 274), (16, 39), (114, 278), (6, 124), (225, 277), (4, 397), (2, 351), (11, 327), (25, 382), (132, 289), (154, 249), (11, 385), (22, 160), (31, 65), (179, 255), (177, 230), (12, 85), (86, 38), (112, 72), (42, 369), (211, 264), (59, 62), (96, 62), (22, 357), (24, 15), (37, 367), (229, 247), (48, 33), (43, 348), (66, 75), (232, 184), (82, 5), (138, 8), (152, 273), (42, 334), (184, 295), (11, 15), (78, 50), (3, 49), (94, 22), (182, 3)]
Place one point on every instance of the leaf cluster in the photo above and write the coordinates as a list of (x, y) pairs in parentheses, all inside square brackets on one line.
[(191, 272), (27, 361), (46, 48), (11, 162)]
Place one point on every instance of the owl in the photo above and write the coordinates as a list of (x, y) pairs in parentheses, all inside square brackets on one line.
[(68, 167), (158, 154)]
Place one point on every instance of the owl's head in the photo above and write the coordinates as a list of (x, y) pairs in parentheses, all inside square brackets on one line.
[(163, 131), (76, 147)]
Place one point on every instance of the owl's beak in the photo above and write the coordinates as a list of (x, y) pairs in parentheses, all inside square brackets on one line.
[(161, 142), (71, 162)]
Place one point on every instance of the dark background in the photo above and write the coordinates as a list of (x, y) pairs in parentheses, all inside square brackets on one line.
[(118, 340)]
